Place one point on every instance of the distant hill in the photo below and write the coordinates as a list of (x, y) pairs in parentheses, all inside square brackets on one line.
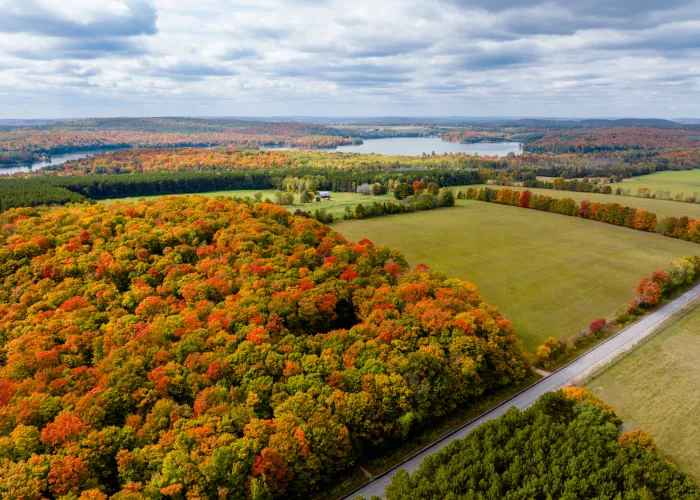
[(8, 122)]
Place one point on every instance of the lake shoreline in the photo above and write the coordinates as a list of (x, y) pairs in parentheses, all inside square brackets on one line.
[(392, 146)]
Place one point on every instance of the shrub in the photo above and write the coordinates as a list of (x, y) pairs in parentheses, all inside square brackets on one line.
[(284, 198), (446, 198), (403, 191), (364, 189), (550, 352), (597, 325), (378, 189)]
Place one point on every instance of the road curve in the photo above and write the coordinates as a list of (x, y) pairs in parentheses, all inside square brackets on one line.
[(566, 375)]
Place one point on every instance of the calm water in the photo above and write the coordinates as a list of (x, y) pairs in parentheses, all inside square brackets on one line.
[(416, 146), (55, 160)]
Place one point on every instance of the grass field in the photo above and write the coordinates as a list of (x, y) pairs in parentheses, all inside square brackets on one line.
[(656, 389), (662, 208), (336, 205), (550, 274), (685, 181)]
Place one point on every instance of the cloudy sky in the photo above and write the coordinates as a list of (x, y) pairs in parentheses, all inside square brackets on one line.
[(349, 58)]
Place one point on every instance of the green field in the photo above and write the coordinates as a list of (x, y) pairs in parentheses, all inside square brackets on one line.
[(656, 389), (684, 181), (550, 274), (662, 208), (336, 205)]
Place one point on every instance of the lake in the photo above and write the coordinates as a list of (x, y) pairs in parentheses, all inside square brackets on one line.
[(416, 146), (55, 160)]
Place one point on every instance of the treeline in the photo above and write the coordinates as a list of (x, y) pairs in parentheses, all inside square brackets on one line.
[(568, 445), (18, 158), (33, 192), (614, 165), (110, 133), (681, 274), (51, 189), (614, 139), (225, 159), (118, 186), (605, 186), (414, 203), (99, 187), (612, 213)]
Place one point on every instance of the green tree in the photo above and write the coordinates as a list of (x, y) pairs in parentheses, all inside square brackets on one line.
[(403, 191)]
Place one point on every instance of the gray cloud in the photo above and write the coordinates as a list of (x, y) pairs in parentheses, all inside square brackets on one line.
[(598, 8), (79, 48), (185, 70), (497, 59), (238, 53), (133, 17), (367, 80)]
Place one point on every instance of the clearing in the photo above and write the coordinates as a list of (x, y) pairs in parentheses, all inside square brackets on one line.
[(682, 181), (336, 205), (656, 389), (550, 274)]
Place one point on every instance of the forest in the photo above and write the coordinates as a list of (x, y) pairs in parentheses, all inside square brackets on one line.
[(197, 347), (524, 168), (568, 445), (33, 192), (226, 159), (615, 139), (17, 145), (46, 188)]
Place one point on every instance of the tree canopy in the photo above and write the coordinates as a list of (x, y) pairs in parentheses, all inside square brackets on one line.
[(201, 347), (569, 445)]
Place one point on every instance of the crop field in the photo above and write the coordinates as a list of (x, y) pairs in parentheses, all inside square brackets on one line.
[(336, 205), (656, 389), (683, 181), (550, 274), (662, 208)]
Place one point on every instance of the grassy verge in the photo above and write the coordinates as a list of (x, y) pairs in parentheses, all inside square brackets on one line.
[(656, 389)]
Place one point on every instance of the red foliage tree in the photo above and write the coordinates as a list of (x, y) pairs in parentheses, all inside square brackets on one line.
[(647, 292), (597, 325)]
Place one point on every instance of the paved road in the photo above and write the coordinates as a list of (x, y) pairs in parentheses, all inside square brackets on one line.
[(567, 375)]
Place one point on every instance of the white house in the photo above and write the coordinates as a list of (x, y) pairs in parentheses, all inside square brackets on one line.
[(324, 195)]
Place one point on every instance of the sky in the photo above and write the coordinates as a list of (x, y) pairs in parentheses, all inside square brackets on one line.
[(551, 58)]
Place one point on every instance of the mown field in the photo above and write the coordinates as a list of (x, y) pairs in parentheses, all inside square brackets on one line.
[(656, 389), (662, 208), (336, 205), (684, 181), (550, 274)]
